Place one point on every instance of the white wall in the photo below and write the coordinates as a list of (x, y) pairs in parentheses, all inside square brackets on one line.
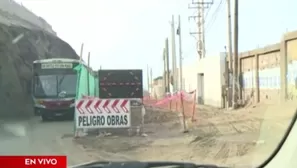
[(157, 91), (213, 68), (190, 76)]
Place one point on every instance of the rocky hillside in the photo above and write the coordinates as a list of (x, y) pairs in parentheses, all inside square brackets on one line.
[(12, 13), (16, 57)]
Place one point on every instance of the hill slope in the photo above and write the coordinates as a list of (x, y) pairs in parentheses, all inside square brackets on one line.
[(16, 61)]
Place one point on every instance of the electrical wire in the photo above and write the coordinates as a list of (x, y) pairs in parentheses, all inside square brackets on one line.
[(206, 14), (215, 15)]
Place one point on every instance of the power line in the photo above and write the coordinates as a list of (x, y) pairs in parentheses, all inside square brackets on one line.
[(215, 15), (206, 14)]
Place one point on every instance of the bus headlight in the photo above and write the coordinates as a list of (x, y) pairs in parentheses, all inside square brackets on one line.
[(72, 104), (39, 102)]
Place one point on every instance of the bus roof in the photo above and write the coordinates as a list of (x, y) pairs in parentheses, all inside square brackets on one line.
[(55, 60), (61, 60)]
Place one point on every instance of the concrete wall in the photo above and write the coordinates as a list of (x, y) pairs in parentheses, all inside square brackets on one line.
[(269, 74), (213, 68), (263, 72), (12, 13)]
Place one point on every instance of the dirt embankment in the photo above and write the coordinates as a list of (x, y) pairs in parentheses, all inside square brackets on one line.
[(16, 60)]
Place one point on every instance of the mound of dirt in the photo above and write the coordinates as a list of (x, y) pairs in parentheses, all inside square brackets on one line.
[(16, 58), (112, 143), (155, 115)]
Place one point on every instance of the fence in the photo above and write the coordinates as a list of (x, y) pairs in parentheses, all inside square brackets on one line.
[(117, 116), (182, 103)]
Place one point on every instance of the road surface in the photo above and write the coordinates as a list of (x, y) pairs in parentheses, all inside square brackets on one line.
[(225, 138), (33, 137)]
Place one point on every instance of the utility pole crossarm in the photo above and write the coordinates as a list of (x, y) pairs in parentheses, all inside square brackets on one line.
[(194, 17), (201, 5), (199, 2)]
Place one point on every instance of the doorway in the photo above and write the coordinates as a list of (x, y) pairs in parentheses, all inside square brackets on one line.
[(200, 88)]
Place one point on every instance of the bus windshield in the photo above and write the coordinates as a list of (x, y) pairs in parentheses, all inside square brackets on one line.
[(50, 86)]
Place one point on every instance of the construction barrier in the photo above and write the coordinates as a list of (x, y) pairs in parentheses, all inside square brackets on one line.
[(100, 116), (108, 116), (116, 115), (182, 103)]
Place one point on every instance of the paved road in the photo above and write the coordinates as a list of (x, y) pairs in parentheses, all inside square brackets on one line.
[(33, 137)]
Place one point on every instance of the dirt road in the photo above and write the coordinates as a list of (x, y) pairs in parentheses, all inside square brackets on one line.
[(221, 137), (241, 137)]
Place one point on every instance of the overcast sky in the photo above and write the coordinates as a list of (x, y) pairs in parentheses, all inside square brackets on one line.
[(131, 33)]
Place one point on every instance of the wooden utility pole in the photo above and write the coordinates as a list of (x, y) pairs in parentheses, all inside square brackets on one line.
[(151, 79), (81, 51), (178, 32), (88, 77), (180, 54), (230, 56), (226, 90), (173, 53), (164, 71), (235, 66), (148, 79), (203, 29), (199, 25), (167, 65)]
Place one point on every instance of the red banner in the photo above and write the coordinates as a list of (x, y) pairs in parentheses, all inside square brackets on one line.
[(33, 161)]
